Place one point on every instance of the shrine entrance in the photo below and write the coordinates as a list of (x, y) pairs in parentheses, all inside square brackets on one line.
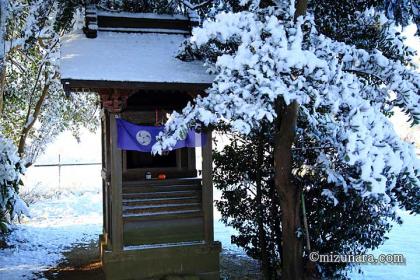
[(157, 210)]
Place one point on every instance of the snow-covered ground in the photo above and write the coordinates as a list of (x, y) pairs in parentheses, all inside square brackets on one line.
[(404, 240), (56, 225), (69, 213), (61, 215)]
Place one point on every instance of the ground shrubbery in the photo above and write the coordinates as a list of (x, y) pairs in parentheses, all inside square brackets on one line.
[(11, 169)]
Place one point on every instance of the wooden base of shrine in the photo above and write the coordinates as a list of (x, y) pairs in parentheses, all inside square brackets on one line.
[(189, 261)]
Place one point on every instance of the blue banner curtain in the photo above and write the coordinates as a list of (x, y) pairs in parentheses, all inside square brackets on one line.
[(142, 138)]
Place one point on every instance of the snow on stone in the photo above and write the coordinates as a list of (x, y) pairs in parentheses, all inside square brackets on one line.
[(130, 57)]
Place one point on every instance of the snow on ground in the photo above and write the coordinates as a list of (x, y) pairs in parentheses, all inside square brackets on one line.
[(56, 225), (61, 215), (402, 240)]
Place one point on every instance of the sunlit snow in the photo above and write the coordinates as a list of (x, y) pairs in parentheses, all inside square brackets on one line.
[(56, 225)]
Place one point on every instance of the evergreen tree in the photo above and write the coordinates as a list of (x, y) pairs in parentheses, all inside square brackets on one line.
[(249, 203), (144, 6), (35, 108), (11, 170), (274, 65), (403, 12), (343, 224)]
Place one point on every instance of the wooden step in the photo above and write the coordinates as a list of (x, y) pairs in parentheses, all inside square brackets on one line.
[(166, 182), (162, 194), (157, 201), (170, 215), (160, 188), (163, 208)]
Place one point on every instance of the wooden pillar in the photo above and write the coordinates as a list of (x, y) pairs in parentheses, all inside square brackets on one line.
[(103, 172), (207, 192), (116, 187)]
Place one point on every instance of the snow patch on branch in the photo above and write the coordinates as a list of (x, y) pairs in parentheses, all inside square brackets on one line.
[(259, 57), (11, 169)]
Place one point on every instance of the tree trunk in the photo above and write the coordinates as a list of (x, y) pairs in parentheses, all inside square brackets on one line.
[(2, 52), (2, 85), (30, 122), (275, 214), (289, 194), (265, 260)]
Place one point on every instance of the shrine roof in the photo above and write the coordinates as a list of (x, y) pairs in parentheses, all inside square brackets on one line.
[(128, 57), (128, 50)]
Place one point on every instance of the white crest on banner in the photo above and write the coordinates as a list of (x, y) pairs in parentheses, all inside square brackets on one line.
[(144, 137)]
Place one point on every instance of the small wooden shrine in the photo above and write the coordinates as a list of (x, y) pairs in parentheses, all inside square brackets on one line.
[(151, 228)]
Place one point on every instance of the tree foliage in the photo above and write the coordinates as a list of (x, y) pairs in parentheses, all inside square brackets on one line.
[(145, 6), (344, 224), (11, 169), (35, 108), (249, 202), (347, 77), (260, 58), (403, 12)]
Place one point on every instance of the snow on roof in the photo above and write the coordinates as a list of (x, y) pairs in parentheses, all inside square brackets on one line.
[(128, 57)]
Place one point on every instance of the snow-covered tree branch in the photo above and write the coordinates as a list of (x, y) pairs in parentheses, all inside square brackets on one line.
[(279, 59), (35, 108), (268, 64), (11, 169)]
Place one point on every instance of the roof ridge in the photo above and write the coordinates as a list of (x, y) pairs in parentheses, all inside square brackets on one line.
[(121, 21)]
